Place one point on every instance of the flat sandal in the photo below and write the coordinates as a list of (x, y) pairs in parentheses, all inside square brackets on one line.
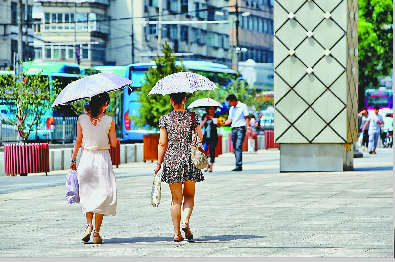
[(178, 238)]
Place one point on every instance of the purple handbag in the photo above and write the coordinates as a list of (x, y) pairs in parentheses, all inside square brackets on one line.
[(72, 188)]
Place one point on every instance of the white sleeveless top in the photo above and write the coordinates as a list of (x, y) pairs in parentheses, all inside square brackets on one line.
[(95, 138)]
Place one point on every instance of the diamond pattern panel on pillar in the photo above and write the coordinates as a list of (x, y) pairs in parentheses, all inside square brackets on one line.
[(316, 71)]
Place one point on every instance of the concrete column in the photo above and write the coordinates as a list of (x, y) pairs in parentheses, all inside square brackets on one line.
[(315, 83)]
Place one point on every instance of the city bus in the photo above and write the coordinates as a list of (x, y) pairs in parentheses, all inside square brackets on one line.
[(218, 73), (63, 74)]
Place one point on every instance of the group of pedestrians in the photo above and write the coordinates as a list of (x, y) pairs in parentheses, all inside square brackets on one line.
[(96, 178), (371, 127)]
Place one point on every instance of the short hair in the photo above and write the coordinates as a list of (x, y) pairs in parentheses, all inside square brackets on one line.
[(231, 97), (177, 97), (376, 107)]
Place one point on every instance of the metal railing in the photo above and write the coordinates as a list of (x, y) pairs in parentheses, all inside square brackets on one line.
[(65, 129), (8, 133)]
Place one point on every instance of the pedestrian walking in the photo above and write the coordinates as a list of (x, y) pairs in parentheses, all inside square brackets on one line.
[(239, 121), (363, 116), (174, 153), (210, 134), (374, 121), (97, 186)]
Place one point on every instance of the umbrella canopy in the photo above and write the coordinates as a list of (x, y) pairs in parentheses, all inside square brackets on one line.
[(204, 102), (182, 82), (90, 86)]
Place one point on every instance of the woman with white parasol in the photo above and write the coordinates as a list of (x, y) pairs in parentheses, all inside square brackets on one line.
[(174, 150), (95, 134), (209, 125)]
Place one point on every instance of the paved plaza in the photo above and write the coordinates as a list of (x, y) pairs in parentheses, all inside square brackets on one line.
[(257, 212)]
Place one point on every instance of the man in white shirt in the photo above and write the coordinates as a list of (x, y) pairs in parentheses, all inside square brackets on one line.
[(374, 121), (239, 121)]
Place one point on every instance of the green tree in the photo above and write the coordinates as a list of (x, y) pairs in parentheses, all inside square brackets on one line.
[(375, 43), (154, 106), (31, 96)]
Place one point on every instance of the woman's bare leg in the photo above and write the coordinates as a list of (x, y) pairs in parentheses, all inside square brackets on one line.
[(175, 209), (189, 201), (89, 218), (98, 221)]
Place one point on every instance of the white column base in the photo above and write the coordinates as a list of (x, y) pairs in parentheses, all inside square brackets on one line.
[(315, 158)]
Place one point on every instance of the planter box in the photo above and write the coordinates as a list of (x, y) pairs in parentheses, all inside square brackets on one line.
[(115, 154), (26, 158), (150, 142)]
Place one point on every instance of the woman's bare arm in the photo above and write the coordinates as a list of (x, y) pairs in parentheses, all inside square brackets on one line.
[(78, 143), (162, 146), (112, 135)]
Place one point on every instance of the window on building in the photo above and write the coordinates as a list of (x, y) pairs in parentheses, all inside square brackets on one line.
[(173, 32), (173, 5), (184, 33), (59, 20), (66, 21), (29, 16), (225, 41), (56, 52), (271, 27), (38, 53), (70, 52), (202, 37), (184, 6), (196, 8), (210, 13), (14, 15), (48, 52), (85, 51), (152, 29), (98, 52), (63, 52), (265, 26), (47, 17)]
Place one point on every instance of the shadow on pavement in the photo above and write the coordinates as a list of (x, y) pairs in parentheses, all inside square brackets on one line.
[(136, 240), (224, 238), (374, 168), (204, 239)]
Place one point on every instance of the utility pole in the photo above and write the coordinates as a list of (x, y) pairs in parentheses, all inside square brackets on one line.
[(132, 30), (77, 51), (159, 26), (237, 47), (20, 43)]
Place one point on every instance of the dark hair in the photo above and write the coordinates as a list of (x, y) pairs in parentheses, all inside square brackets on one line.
[(231, 97), (97, 102), (376, 107), (177, 97)]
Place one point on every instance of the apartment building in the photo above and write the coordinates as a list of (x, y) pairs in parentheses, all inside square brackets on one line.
[(71, 31), (119, 32), (9, 32)]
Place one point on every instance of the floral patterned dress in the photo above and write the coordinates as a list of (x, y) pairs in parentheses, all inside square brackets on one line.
[(177, 164)]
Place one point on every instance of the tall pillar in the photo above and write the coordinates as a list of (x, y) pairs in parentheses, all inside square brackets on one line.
[(316, 83)]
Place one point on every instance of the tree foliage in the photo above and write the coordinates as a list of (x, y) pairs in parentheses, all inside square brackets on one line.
[(31, 96), (154, 106), (375, 43)]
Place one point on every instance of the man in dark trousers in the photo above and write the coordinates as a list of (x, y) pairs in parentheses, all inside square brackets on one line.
[(239, 121)]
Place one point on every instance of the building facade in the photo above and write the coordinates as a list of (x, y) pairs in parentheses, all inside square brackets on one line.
[(71, 31), (120, 32), (9, 32)]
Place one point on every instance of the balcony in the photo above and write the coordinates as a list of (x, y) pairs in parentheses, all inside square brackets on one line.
[(103, 2)]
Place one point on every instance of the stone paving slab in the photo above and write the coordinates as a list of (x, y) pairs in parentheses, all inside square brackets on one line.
[(258, 212)]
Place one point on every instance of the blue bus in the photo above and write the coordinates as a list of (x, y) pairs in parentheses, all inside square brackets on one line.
[(63, 74), (136, 72)]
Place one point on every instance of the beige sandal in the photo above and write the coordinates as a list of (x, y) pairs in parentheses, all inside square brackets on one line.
[(97, 238), (86, 236)]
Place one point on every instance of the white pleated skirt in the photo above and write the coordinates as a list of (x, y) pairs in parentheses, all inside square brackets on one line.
[(97, 187)]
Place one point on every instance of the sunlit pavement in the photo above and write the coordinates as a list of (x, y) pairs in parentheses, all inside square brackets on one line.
[(256, 212)]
